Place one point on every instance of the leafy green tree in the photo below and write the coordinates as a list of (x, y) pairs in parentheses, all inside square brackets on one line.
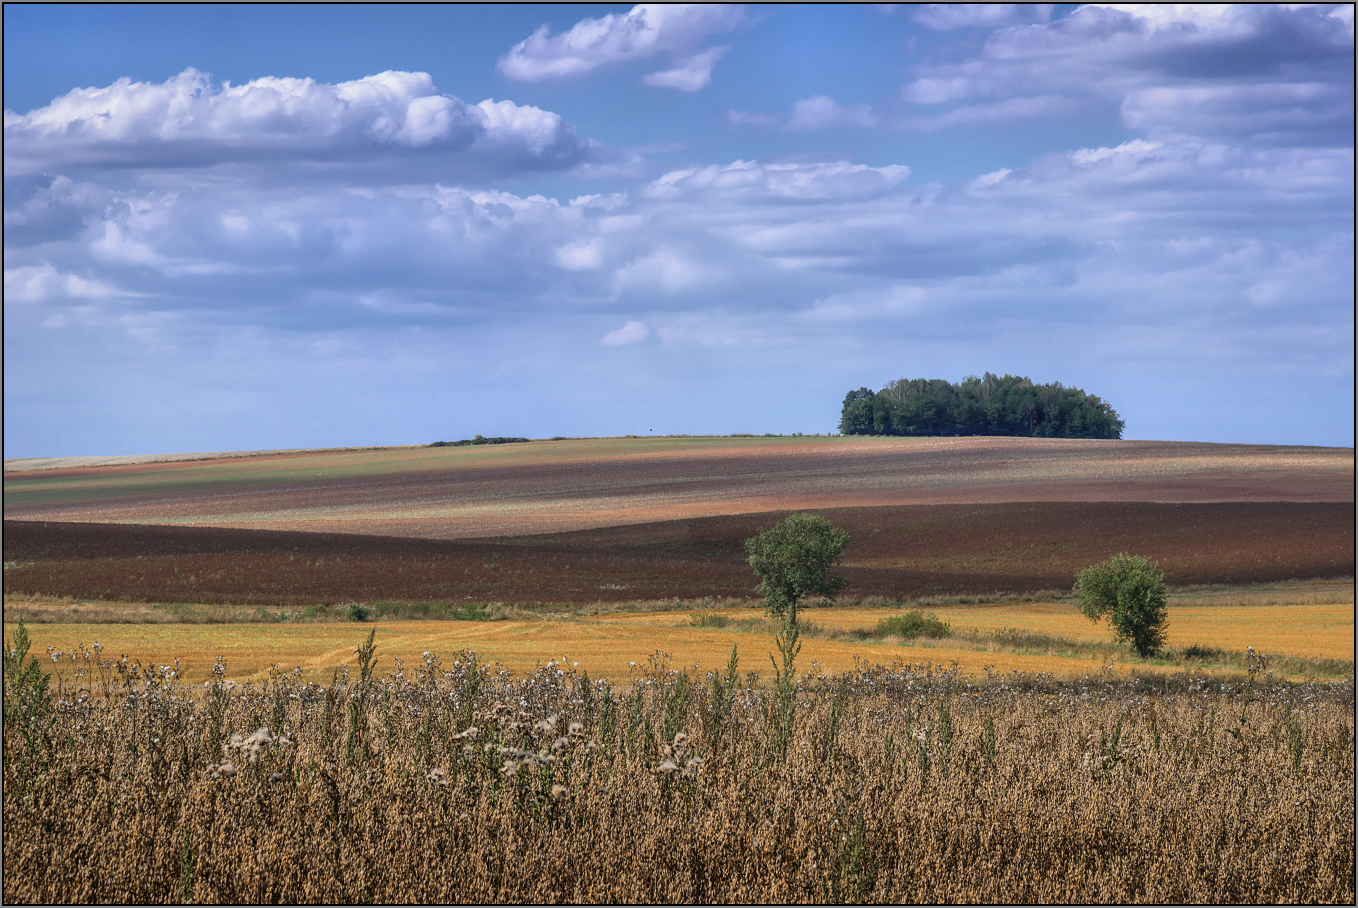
[(793, 561), (1130, 592), (856, 417)]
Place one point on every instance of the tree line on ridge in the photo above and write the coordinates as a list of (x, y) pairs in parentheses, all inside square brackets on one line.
[(989, 405)]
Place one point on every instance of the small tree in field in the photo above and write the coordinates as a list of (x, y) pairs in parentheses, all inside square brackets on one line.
[(793, 561), (1130, 592)]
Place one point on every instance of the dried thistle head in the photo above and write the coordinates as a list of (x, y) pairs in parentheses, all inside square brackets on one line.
[(559, 792)]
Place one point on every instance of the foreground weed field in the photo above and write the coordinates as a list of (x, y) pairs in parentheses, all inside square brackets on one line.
[(446, 781)]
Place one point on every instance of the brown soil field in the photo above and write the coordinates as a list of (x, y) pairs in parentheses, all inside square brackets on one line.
[(25, 464), (558, 486), (897, 552)]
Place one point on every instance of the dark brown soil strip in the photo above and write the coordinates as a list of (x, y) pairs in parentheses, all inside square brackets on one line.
[(901, 551)]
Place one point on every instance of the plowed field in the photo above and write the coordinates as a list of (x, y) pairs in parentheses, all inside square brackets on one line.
[(894, 551), (539, 487), (641, 519)]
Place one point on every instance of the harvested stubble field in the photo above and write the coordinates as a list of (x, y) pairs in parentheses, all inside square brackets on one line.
[(450, 783), (1307, 628)]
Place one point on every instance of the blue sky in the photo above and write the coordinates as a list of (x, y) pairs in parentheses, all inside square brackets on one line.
[(244, 227)]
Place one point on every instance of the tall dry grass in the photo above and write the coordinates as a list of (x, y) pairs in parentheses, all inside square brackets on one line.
[(451, 782)]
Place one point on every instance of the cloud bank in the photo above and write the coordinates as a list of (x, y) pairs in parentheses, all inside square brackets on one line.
[(1223, 73), (254, 265), (396, 118)]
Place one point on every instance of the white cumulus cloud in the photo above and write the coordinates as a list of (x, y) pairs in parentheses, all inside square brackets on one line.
[(643, 32), (858, 305), (756, 179), (633, 332), (823, 112), (1282, 111), (37, 283), (949, 16), (1136, 148), (691, 74), (190, 121), (1281, 74)]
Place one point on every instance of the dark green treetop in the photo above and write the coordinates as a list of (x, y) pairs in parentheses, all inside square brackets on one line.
[(1130, 592), (989, 405), (793, 561)]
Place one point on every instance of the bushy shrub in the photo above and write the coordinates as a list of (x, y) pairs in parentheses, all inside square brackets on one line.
[(358, 612), (1130, 592), (1198, 651), (911, 625)]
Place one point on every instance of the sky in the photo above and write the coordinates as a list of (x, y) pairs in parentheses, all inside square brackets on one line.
[(271, 226)]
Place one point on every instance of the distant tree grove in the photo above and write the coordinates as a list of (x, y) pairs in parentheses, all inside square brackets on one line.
[(989, 405), (480, 440)]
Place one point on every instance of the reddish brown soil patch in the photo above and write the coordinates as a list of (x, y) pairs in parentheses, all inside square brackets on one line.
[(895, 551)]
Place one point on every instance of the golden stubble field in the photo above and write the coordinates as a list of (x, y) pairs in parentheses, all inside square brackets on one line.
[(1307, 619)]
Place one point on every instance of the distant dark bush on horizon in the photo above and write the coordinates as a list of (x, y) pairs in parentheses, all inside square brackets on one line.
[(478, 440)]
